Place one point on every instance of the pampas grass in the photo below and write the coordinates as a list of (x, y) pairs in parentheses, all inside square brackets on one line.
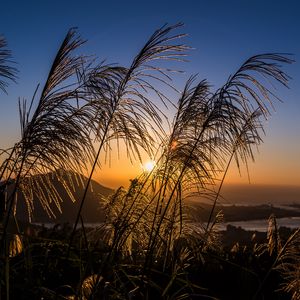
[(7, 71), (85, 108)]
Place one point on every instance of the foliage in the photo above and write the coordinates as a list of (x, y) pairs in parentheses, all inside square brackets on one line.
[(7, 72), (149, 245)]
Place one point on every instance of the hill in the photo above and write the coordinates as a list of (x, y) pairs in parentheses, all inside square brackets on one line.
[(91, 211), (256, 194), (234, 213), (239, 194)]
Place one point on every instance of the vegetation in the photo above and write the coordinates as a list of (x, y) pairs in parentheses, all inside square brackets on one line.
[(149, 244)]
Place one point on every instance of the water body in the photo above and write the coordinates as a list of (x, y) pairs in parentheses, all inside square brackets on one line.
[(253, 225), (262, 225)]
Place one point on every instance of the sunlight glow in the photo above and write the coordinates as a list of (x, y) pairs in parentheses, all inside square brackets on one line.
[(174, 145), (149, 165)]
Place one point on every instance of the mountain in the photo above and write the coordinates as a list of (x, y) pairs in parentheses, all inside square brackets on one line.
[(235, 213), (255, 194), (236, 199), (91, 212)]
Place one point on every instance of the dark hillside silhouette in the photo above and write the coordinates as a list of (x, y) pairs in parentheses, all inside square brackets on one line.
[(91, 213)]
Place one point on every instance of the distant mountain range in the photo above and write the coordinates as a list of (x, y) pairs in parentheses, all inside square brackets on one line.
[(256, 194), (235, 213), (233, 194), (91, 211)]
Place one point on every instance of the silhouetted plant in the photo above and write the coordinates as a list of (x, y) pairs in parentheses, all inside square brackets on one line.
[(208, 128), (121, 98), (285, 260), (7, 71), (149, 231), (56, 130)]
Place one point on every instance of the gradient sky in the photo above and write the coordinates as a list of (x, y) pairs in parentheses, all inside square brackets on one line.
[(223, 33)]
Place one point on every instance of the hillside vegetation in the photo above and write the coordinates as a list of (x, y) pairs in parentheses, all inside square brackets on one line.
[(149, 245)]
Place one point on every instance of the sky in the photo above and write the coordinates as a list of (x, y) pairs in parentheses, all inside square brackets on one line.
[(223, 35)]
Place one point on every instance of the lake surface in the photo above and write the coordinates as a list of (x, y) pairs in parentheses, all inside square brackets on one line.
[(253, 225), (262, 225)]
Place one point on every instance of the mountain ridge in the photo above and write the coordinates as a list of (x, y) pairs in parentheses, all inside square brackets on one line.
[(91, 211)]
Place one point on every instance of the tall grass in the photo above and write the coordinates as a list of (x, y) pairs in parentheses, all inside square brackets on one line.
[(7, 71), (121, 102), (84, 107), (209, 128), (51, 130)]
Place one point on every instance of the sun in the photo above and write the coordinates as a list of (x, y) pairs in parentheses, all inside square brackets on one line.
[(149, 165)]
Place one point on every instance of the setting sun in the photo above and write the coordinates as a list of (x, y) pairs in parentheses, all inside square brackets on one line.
[(149, 165)]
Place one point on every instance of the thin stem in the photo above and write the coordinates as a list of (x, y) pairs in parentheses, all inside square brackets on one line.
[(86, 188), (281, 252), (7, 162), (11, 204), (152, 240), (219, 190)]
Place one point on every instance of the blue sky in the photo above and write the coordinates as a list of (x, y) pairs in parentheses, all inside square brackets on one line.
[(222, 33)]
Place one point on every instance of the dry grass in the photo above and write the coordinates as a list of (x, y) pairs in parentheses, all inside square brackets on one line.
[(84, 106)]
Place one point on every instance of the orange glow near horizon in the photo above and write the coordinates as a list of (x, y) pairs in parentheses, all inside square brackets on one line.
[(267, 170)]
